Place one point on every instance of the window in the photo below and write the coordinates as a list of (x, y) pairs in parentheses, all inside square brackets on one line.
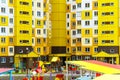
[(24, 22), (38, 50), (95, 13), (38, 23), (44, 22), (3, 40), (3, 30), (73, 49), (44, 49), (3, 1), (73, 24), (68, 7), (96, 4), (111, 13), (107, 41), (2, 10), (87, 14), (108, 4), (96, 31), (32, 31), (68, 16), (11, 20), (87, 31), (32, 22), (78, 31), (67, 50), (38, 4), (44, 5), (95, 40), (3, 59), (87, 49), (11, 60), (38, 40), (11, 40), (74, 15), (24, 12), (107, 13), (38, 32), (111, 32), (11, 49), (95, 49), (3, 20), (87, 23), (103, 32), (87, 41), (11, 11), (78, 48), (68, 41), (112, 41), (108, 23), (44, 13), (103, 41), (96, 22), (11, 1), (44, 40), (32, 40), (24, 3), (79, 22), (68, 33), (67, 24), (38, 13), (74, 41), (24, 41), (44, 31), (74, 7), (87, 5), (79, 5), (78, 39), (32, 4), (67, 0), (33, 13), (2, 50), (73, 32), (11, 30)]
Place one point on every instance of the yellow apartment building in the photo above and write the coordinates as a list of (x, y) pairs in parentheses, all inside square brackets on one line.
[(32, 30)]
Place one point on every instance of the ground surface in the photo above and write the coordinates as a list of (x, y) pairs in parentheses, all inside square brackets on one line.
[(21, 76)]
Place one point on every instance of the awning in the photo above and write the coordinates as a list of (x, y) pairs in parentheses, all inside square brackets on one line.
[(104, 64), (94, 67), (31, 54), (104, 54), (54, 59), (108, 77), (7, 70)]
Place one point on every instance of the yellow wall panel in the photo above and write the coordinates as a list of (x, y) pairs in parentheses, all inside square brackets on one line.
[(78, 1)]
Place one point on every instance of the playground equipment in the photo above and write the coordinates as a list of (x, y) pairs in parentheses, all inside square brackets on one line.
[(59, 77), (37, 72)]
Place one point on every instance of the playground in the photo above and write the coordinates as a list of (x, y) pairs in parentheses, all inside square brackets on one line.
[(74, 70)]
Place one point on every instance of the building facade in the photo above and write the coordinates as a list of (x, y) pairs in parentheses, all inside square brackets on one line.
[(33, 30)]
